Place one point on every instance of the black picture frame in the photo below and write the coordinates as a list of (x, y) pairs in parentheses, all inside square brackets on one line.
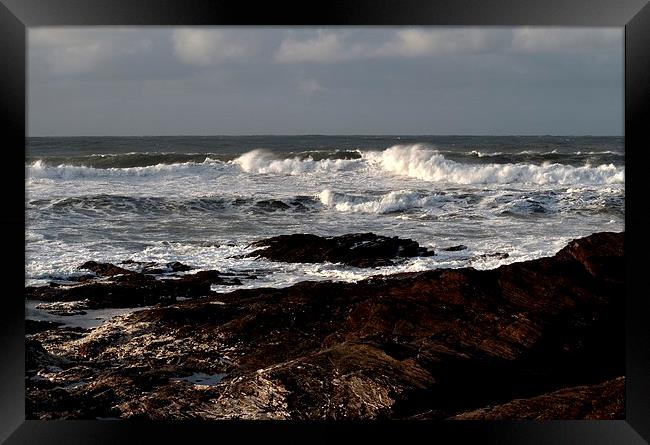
[(634, 15)]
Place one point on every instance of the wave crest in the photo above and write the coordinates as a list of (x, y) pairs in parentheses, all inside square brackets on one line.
[(421, 162), (263, 161), (395, 201), (39, 170), (415, 161)]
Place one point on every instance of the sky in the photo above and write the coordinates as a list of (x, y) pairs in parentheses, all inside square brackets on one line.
[(138, 81)]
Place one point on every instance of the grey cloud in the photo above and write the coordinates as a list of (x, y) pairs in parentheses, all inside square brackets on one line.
[(566, 40), (326, 46), (251, 80), (205, 47)]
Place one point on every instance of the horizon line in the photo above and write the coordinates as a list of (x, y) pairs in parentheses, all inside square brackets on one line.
[(323, 135)]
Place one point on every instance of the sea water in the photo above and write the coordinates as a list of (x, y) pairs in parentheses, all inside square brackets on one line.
[(203, 200)]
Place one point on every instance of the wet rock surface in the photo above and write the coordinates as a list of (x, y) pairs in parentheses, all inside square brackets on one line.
[(436, 344), (456, 248), (604, 401), (150, 267), (113, 286), (36, 326), (357, 249)]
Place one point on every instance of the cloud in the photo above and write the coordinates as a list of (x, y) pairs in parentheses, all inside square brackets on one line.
[(337, 46), (205, 47), (323, 47), (65, 51), (424, 42), (566, 40), (367, 79), (310, 86)]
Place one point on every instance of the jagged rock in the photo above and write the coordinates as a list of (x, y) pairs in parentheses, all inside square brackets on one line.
[(36, 357), (604, 401), (35, 326), (271, 205), (104, 269), (455, 248), (495, 255), (175, 266), (79, 279), (432, 344), (358, 249), (153, 268), (597, 253), (125, 288)]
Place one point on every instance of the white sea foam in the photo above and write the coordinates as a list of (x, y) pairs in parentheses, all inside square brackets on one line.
[(533, 152), (481, 154), (394, 201), (415, 161), (262, 161), (419, 161), (39, 170), (606, 152)]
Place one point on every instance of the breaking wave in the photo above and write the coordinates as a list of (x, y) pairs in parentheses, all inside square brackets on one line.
[(395, 201), (262, 161), (415, 161), (421, 162), (39, 169)]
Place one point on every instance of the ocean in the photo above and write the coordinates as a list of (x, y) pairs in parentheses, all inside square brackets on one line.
[(203, 200)]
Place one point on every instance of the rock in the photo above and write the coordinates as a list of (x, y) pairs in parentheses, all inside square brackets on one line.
[(597, 253), (178, 267), (80, 279), (140, 263), (64, 308), (271, 205), (358, 249), (604, 401), (434, 344), (153, 268), (35, 326), (200, 282), (455, 248), (104, 269), (495, 255), (126, 289), (36, 357), (370, 262)]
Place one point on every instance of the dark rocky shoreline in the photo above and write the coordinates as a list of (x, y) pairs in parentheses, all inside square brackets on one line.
[(540, 339)]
